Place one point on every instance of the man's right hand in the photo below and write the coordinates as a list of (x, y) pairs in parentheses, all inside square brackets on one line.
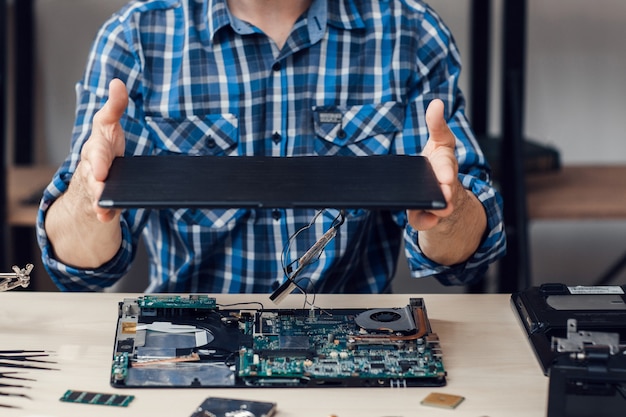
[(82, 233)]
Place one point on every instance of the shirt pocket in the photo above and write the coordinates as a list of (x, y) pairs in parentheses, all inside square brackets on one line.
[(208, 223), (212, 135), (363, 129), (195, 135)]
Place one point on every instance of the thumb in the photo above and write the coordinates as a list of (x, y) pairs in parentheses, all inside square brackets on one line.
[(438, 130), (117, 102), (107, 139), (441, 144)]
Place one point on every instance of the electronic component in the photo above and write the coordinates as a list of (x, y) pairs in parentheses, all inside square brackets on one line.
[(85, 397), (159, 301), (189, 341), (442, 400), (544, 313), (588, 375), (578, 334), (229, 407), (308, 258)]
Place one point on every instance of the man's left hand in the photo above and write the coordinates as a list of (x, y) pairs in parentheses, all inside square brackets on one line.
[(451, 235)]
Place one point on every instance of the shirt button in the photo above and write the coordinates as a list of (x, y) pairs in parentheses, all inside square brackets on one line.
[(276, 66), (341, 134), (210, 142), (276, 214), (276, 137)]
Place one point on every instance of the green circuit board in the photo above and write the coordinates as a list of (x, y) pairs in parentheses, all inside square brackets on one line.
[(176, 301), (192, 341), (332, 348)]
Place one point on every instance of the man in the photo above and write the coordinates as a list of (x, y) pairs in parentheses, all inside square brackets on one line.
[(251, 77)]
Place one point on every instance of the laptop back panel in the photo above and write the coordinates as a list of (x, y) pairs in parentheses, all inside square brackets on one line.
[(372, 182)]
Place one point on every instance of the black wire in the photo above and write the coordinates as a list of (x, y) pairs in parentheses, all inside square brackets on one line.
[(232, 358), (291, 239), (304, 292), (336, 223), (342, 218), (243, 304), (287, 269)]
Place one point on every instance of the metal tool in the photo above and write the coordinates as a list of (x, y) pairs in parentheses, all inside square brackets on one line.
[(19, 359), (25, 356), (10, 375), (20, 277), (11, 394)]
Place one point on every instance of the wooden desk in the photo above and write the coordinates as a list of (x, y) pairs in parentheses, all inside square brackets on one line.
[(22, 183), (578, 192), (488, 359)]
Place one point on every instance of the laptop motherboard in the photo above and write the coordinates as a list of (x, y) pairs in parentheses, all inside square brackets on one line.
[(192, 341)]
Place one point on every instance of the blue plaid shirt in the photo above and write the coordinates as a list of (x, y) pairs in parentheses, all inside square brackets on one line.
[(203, 82)]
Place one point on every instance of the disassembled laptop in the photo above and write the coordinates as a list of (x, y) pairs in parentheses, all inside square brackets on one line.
[(192, 341), (578, 334)]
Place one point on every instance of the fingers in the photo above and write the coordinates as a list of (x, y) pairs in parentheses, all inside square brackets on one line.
[(86, 190), (422, 220), (107, 141)]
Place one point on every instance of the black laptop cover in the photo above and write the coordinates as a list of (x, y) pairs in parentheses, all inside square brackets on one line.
[(342, 182)]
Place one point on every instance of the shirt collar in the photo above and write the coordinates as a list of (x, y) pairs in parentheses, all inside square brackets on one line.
[(343, 14), (219, 16)]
